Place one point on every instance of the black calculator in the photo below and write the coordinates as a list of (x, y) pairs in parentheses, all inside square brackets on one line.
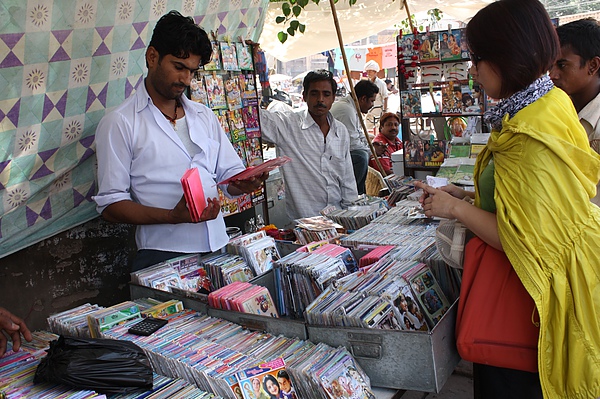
[(147, 326)]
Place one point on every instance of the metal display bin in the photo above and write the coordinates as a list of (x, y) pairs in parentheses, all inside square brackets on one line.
[(400, 360), (407, 360), (276, 326), (199, 302)]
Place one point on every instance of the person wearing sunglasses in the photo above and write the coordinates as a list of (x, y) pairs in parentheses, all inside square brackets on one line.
[(533, 184)]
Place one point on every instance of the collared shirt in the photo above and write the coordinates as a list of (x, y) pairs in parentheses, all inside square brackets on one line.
[(383, 91), (344, 111), (386, 158), (142, 159), (589, 117), (320, 173)]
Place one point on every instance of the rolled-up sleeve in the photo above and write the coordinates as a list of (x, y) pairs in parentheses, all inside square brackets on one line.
[(113, 150)]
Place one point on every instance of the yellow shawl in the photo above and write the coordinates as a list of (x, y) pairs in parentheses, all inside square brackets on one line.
[(545, 174)]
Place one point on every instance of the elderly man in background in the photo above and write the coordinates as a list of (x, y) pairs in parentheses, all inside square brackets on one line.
[(380, 106)]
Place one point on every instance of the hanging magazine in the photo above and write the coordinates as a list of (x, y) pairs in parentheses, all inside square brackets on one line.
[(198, 91), (244, 55), (429, 49), (229, 56), (215, 59), (232, 90), (215, 92)]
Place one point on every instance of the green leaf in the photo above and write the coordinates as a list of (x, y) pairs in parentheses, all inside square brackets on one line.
[(294, 24), (301, 28), (302, 3), (285, 7), (279, 19), (282, 36), (291, 31), (296, 10), (352, 2)]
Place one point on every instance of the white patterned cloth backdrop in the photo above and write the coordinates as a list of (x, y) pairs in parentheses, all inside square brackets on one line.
[(63, 64)]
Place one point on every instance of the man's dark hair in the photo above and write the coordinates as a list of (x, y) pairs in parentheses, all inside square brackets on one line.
[(318, 76), (180, 36), (365, 87), (582, 36), (517, 38)]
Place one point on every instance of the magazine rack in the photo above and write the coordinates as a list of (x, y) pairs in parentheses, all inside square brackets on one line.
[(227, 85), (435, 85)]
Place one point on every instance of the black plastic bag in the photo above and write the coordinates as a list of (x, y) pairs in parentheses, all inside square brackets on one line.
[(102, 365)]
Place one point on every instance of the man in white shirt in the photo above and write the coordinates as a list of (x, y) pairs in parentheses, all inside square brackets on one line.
[(380, 107), (344, 111), (146, 144), (320, 173), (577, 72)]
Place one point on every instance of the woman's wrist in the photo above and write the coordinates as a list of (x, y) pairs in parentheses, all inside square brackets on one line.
[(460, 209)]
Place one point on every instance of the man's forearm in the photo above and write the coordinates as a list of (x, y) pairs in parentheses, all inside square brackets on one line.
[(133, 213)]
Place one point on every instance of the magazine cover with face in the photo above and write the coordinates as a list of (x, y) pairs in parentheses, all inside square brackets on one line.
[(263, 381)]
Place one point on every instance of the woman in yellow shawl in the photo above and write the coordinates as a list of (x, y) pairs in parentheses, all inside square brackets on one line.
[(534, 181)]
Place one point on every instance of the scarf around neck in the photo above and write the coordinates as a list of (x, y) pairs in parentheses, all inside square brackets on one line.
[(513, 104)]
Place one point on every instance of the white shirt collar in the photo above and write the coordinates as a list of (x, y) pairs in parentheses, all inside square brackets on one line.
[(591, 114)]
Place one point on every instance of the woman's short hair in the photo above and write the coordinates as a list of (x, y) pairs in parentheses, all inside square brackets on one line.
[(517, 38)]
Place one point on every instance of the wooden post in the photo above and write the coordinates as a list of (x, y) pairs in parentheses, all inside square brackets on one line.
[(351, 84), (412, 27)]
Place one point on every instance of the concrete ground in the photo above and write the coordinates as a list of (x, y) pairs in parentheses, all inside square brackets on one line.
[(458, 386)]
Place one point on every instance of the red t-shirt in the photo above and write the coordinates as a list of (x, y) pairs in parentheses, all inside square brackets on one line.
[(386, 158)]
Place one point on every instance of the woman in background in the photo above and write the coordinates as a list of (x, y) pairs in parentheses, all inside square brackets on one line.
[(534, 181)]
